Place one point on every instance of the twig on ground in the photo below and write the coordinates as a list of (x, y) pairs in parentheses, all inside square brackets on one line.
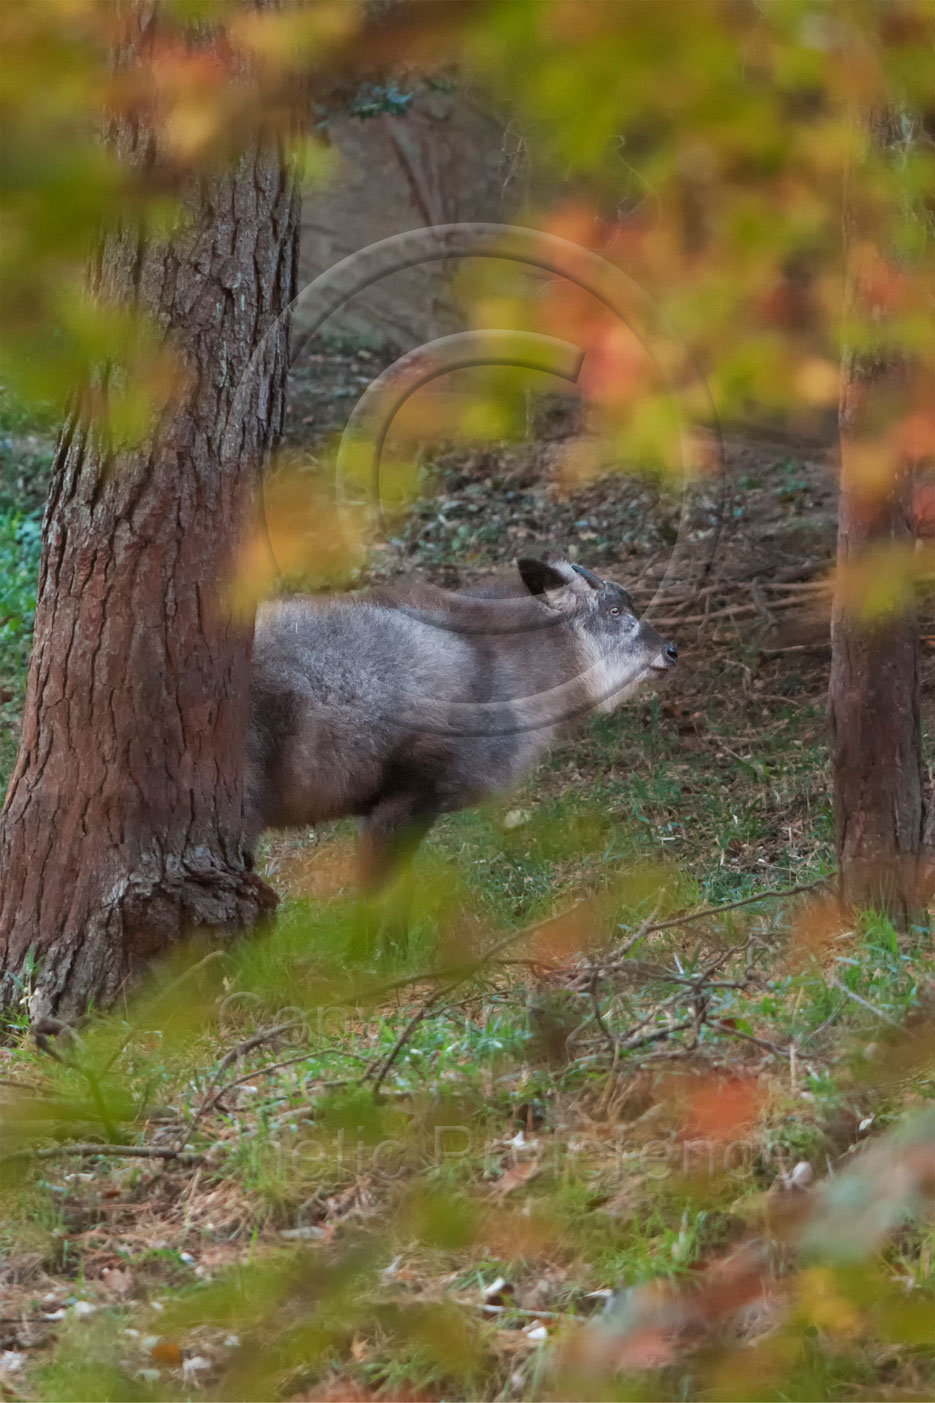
[(865, 1003), (113, 1151), (465, 973), (460, 972), (611, 1078), (489, 1309), (247, 1045), (726, 611), (598, 1015), (22, 1085), (647, 969), (400, 1043), (733, 905), (405, 1035), (678, 595), (630, 1044), (692, 988), (771, 1047), (759, 600), (287, 1062), (814, 647), (645, 929), (26, 1320), (378, 1069), (822, 1026)]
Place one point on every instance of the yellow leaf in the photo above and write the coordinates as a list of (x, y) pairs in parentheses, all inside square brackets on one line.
[(822, 1304), (818, 381)]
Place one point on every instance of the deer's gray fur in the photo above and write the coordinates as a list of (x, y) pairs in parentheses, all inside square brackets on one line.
[(398, 707)]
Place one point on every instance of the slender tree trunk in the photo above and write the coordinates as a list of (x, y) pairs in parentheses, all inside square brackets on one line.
[(875, 711), (874, 695), (121, 831)]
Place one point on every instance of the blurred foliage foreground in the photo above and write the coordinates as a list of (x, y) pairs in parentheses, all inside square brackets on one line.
[(603, 1155), (582, 1137), (597, 1155)]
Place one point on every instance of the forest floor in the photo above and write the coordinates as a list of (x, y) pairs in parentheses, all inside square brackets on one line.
[(585, 1136)]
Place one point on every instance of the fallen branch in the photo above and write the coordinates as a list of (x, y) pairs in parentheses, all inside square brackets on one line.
[(599, 1017), (723, 612), (814, 647), (458, 975), (865, 1003), (733, 905), (113, 1151), (768, 1046), (680, 594), (287, 1062), (23, 1085), (489, 1309), (631, 1043)]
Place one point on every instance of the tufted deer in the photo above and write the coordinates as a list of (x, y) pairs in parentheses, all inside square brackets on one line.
[(398, 707)]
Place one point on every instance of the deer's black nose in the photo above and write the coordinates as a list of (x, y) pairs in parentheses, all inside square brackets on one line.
[(672, 652)]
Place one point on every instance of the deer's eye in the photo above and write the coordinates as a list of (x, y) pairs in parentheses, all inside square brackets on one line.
[(614, 609)]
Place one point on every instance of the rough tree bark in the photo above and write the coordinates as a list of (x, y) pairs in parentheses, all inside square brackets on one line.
[(874, 693), (121, 831)]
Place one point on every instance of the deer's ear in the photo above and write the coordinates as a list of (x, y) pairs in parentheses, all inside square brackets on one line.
[(538, 576)]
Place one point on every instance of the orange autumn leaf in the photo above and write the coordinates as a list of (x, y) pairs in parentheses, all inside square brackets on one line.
[(563, 937), (819, 928), (723, 1107), (515, 1177), (882, 286), (167, 1352), (915, 435), (730, 1282), (616, 366)]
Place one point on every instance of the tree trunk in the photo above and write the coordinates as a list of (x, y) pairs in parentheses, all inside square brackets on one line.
[(121, 831), (875, 710), (874, 695)]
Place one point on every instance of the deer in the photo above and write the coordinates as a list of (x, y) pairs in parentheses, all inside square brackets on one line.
[(394, 707)]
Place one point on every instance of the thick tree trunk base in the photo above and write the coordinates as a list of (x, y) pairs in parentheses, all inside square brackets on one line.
[(875, 715), (100, 953), (901, 890)]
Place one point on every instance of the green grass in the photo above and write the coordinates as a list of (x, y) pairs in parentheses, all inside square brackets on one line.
[(19, 567), (26, 447), (25, 460)]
